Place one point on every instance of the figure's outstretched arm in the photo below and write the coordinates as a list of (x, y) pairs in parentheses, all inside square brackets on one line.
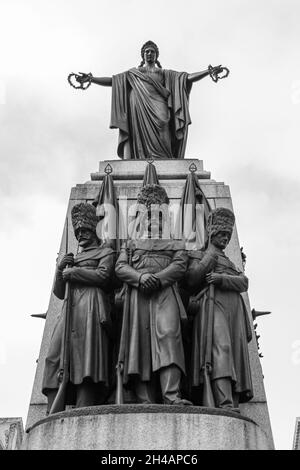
[(195, 77), (85, 77), (103, 81)]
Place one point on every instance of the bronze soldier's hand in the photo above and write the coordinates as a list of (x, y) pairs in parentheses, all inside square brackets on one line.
[(149, 282), (67, 260), (66, 274), (214, 278)]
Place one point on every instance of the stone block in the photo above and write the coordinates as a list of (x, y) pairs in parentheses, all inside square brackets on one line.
[(258, 411), (146, 427), (167, 169)]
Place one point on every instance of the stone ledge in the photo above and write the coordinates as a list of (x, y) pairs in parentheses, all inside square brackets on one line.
[(130, 188), (137, 409), (139, 176), (166, 169)]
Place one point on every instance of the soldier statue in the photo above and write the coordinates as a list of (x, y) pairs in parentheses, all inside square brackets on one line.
[(229, 373), (151, 265), (89, 275)]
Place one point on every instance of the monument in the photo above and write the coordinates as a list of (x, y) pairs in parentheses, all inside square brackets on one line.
[(148, 341)]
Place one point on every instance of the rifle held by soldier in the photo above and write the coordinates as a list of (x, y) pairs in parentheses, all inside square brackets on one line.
[(123, 348)]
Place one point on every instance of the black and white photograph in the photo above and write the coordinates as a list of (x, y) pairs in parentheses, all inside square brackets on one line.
[(150, 206)]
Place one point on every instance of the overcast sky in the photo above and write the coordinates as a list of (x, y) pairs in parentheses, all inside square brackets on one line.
[(245, 129)]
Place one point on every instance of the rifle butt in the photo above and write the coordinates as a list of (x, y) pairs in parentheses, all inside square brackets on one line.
[(207, 398), (119, 389), (59, 402)]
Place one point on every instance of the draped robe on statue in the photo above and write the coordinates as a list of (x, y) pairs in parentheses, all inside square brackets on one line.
[(150, 109)]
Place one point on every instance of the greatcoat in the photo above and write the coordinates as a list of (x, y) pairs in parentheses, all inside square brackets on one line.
[(90, 282), (231, 326), (155, 339)]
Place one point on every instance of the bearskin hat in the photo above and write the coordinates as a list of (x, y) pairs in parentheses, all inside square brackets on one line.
[(84, 216), (220, 220), (152, 194)]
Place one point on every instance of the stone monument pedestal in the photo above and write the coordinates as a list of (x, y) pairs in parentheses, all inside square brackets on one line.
[(156, 426), (146, 427)]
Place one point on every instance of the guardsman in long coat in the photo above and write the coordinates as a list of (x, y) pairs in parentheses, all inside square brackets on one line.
[(230, 375), (90, 275), (155, 349)]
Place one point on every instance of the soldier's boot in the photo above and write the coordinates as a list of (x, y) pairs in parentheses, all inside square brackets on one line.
[(223, 394), (144, 391), (170, 386), (86, 394)]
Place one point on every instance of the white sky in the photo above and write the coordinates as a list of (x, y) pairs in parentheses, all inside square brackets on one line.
[(245, 128)]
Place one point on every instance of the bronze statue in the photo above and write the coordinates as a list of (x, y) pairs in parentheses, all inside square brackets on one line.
[(150, 106), (155, 349), (89, 275), (221, 328)]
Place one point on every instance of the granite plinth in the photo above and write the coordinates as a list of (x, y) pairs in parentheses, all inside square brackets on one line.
[(146, 427)]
